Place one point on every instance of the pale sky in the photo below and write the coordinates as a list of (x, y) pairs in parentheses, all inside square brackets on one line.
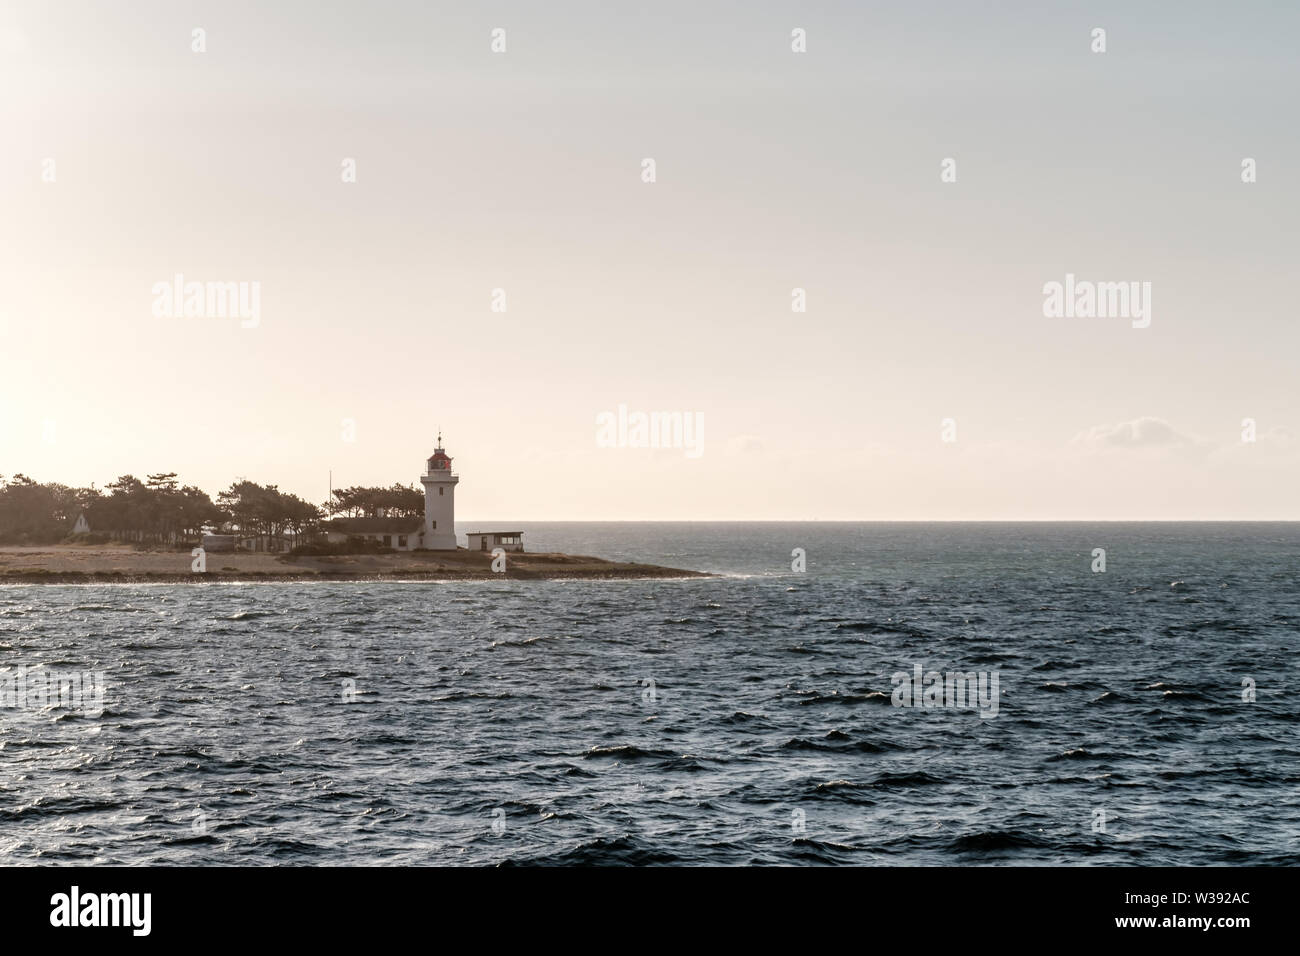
[(775, 170)]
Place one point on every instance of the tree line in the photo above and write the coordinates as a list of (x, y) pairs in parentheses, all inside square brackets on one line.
[(399, 501), (160, 510)]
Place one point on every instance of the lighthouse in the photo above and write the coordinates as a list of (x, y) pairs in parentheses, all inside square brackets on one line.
[(439, 502)]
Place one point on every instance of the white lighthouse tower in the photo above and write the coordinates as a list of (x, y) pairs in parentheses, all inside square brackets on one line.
[(439, 502)]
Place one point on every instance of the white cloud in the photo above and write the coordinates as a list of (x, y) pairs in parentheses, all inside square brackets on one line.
[(1145, 432)]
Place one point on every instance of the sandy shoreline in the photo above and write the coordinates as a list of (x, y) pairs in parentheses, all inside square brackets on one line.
[(112, 563)]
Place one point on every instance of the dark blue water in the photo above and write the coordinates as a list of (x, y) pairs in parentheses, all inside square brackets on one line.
[(514, 722)]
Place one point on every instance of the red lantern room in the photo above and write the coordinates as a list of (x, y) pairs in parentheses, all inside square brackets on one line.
[(440, 460)]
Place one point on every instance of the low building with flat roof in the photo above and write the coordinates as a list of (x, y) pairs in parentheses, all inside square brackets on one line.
[(489, 540)]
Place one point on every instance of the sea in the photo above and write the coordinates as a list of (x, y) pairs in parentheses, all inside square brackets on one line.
[(1130, 697)]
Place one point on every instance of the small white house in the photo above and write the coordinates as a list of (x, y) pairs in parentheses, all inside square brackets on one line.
[(400, 534), (490, 540), (81, 525)]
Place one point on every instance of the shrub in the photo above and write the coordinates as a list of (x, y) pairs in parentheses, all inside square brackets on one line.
[(353, 545)]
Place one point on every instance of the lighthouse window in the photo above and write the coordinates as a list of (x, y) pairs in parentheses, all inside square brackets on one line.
[(435, 524), (441, 490)]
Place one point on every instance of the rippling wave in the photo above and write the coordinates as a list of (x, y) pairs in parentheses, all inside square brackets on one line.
[(747, 718)]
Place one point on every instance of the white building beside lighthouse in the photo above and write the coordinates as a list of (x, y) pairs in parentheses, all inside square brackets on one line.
[(439, 482)]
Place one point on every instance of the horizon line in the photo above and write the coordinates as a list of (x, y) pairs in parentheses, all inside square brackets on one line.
[(897, 520)]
